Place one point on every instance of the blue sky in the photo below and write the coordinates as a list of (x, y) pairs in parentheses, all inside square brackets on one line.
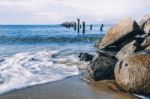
[(57, 11)]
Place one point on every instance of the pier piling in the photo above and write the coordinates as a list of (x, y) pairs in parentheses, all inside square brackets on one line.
[(101, 29), (75, 26), (78, 26), (83, 26), (91, 27)]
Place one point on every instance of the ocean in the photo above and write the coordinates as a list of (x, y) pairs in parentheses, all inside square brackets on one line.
[(38, 54)]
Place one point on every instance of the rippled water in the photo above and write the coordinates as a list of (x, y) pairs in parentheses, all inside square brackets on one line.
[(31, 55)]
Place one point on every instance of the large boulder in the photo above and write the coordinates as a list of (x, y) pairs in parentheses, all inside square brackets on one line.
[(128, 49), (145, 23), (133, 73), (102, 67), (120, 34)]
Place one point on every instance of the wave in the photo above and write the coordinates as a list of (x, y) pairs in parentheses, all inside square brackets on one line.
[(36, 67), (48, 39)]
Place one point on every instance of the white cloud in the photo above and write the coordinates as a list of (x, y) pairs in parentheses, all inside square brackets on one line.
[(57, 11)]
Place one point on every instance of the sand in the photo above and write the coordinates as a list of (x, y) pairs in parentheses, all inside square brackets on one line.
[(70, 88)]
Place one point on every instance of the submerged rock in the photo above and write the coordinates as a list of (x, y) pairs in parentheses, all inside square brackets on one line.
[(120, 34), (85, 57), (128, 49), (102, 67), (133, 73), (145, 23)]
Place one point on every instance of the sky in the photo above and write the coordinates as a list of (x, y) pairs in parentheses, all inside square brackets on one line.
[(58, 11)]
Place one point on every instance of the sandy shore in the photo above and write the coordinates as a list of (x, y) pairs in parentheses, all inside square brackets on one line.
[(70, 88)]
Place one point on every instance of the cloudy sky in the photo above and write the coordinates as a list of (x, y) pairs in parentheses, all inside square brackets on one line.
[(57, 11)]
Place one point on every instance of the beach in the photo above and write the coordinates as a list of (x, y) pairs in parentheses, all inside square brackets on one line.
[(49, 62), (70, 88)]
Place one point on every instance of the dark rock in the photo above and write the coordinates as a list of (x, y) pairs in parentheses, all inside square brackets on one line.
[(133, 73), (102, 67), (107, 53), (120, 34), (128, 49), (85, 57), (140, 38), (145, 23)]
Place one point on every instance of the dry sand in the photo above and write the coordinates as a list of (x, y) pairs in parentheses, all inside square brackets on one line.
[(70, 88)]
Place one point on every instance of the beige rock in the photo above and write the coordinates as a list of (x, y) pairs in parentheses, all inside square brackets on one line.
[(147, 48), (128, 49), (147, 27), (133, 73), (145, 23), (124, 31)]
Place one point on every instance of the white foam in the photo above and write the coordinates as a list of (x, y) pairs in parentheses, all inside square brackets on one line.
[(32, 68)]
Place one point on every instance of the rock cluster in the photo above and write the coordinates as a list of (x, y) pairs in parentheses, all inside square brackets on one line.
[(124, 52)]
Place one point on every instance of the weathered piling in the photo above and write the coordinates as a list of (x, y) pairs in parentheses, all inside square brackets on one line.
[(83, 27), (78, 25), (101, 29), (75, 26), (91, 27)]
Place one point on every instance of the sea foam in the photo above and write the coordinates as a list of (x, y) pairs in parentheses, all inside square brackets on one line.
[(32, 68)]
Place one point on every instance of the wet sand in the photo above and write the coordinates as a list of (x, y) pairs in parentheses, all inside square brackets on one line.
[(70, 88)]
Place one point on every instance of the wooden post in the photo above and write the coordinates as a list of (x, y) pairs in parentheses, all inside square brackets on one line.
[(101, 29), (83, 26), (91, 27), (75, 27), (68, 25), (78, 25)]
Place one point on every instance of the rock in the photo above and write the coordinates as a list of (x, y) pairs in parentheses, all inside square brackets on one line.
[(128, 49), (120, 34), (133, 73), (85, 57), (147, 48), (140, 38), (107, 53), (145, 23), (147, 27), (102, 67), (146, 42)]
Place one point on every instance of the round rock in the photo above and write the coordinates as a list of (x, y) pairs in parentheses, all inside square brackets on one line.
[(133, 73)]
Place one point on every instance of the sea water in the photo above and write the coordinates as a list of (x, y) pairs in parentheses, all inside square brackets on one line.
[(37, 54)]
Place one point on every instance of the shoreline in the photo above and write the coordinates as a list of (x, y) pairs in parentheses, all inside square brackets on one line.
[(70, 88)]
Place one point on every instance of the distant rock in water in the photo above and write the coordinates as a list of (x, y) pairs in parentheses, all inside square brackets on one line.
[(102, 67), (145, 23), (85, 57), (133, 73), (128, 49), (120, 34)]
